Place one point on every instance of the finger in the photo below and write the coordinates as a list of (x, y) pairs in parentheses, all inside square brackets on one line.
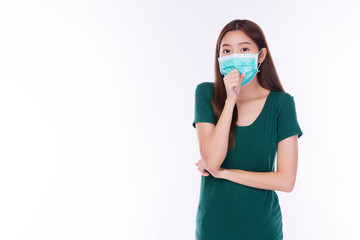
[(235, 84), (234, 71), (233, 74), (204, 173), (235, 81), (202, 165), (201, 168), (198, 162)]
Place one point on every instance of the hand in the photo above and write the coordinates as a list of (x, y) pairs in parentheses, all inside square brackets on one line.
[(201, 167), (233, 81)]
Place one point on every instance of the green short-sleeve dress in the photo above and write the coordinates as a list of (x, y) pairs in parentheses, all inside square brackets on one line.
[(232, 211)]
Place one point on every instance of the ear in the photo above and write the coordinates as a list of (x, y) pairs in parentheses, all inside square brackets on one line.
[(262, 55)]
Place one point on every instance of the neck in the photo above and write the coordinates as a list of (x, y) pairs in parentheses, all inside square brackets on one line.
[(251, 90)]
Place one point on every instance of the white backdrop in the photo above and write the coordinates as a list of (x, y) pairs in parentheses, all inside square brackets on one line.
[(97, 101)]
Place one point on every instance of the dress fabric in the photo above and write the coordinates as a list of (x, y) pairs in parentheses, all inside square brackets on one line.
[(232, 211)]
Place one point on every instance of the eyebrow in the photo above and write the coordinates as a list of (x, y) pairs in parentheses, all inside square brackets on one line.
[(225, 44)]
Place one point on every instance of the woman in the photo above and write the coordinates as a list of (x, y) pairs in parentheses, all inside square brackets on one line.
[(243, 120)]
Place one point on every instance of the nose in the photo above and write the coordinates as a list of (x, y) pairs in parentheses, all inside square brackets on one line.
[(237, 50)]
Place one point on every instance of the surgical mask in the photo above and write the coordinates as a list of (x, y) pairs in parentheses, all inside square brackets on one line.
[(244, 63)]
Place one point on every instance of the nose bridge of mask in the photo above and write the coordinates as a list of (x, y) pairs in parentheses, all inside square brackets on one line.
[(244, 60)]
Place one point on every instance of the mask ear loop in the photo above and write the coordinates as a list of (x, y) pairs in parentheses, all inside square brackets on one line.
[(259, 63)]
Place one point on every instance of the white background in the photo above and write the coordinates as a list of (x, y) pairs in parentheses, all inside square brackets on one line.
[(97, 101)]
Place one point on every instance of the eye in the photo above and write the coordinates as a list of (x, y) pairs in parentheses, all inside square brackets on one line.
[(226, 50), (245, 48)]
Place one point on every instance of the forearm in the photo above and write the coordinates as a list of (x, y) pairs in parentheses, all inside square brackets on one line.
[(263, 180), (215, 147)]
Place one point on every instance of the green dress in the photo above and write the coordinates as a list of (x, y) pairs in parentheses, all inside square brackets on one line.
[(232, 211)]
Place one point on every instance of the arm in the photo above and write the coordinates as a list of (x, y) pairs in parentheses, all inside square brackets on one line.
[(214, 148), (283, 179)]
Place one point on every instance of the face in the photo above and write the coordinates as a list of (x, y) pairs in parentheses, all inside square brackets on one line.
[(238, 42)]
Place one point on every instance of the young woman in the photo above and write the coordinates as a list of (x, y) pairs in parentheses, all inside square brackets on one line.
[(243, 120)]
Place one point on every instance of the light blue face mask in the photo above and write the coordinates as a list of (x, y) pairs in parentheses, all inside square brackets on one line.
[(244, 63)]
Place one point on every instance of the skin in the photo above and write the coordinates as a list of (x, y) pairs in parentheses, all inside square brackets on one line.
[(249, 100)]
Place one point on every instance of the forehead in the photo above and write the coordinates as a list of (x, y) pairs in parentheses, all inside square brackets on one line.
[(235, 37)]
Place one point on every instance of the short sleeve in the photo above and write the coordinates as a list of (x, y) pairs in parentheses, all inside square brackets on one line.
[(203, 111), (287, 124)]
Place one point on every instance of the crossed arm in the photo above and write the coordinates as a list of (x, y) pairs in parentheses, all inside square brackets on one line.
[(283, 179)]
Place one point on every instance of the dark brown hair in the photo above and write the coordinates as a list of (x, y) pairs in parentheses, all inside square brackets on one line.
[(268, 77)]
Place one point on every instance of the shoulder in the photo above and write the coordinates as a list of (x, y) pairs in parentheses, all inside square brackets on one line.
[(283, 101), (205, 88), (282, 97)]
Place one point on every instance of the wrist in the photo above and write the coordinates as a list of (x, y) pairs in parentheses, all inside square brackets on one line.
[(220, 173), (229, 101), (224, 173)]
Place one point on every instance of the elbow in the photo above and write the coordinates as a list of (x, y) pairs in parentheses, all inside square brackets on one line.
[(290, 187), (210, 167), (287, 182), (213, 170)]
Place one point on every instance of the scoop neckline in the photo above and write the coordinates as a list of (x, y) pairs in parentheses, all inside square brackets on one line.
[(260, 114)]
